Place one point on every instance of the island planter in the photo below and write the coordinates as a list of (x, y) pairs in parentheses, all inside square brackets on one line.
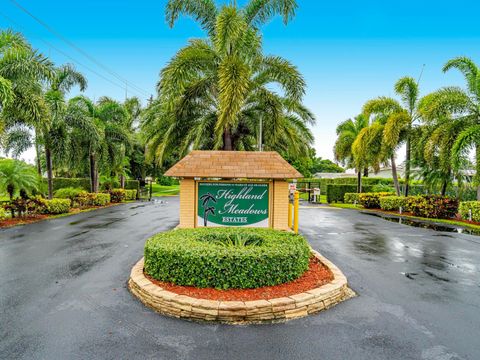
[(241, 312)]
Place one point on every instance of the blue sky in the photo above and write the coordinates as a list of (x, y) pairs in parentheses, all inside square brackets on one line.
[(348, 51)]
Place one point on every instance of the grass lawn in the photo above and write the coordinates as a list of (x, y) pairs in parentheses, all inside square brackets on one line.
[(161, 190)]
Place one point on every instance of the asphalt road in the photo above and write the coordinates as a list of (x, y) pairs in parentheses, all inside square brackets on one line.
[(63, 293)]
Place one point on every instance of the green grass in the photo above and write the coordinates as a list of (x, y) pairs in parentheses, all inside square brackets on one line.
[(346, 206), (161, 190)]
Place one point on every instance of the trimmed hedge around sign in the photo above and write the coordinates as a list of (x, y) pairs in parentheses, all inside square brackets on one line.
[(432, 206), (336, 193), (393, 203), (56, 206), (467, 206), (226, 258), (372, 200)]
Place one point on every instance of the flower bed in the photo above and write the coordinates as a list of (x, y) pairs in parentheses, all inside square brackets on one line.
[(226, 258)]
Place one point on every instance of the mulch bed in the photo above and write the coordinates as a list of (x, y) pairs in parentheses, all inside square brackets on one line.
[(406, 214), (317, 275)]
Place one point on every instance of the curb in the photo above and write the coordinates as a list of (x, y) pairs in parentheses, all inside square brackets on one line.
[(241, 312)]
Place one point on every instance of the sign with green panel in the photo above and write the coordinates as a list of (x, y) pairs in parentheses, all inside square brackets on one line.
[(232, 204)]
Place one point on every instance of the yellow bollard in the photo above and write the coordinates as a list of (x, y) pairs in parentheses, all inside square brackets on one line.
[(290, 209), (296, 198)]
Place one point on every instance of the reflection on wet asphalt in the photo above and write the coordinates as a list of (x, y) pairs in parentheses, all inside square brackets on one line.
[(63, 293)]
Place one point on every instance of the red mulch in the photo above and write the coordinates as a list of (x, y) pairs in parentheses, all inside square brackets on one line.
[(21, 220), (317, 275), (456, 218)]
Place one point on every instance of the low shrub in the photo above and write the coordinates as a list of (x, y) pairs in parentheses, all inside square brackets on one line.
[(130, 194), (465, 207), (132, 185), (3, 214), (226, 258), (393, 203), (350, 198), (372, 200), (336, 193), (92, 199), (432, 206), (69, 193), (117, 195), (56, 206), (101, 199), (21, 206)]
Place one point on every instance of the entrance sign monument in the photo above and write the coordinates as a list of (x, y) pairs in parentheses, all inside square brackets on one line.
[(234, 189)]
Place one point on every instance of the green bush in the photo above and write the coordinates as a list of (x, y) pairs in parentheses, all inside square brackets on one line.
[(465, 207), (393, 203), (166, 181), (69, 193), (77, 183), (372, 200), (117, 195), (3, 214), (383, 188), (226, 258), (432, 206), (132, 185), (336, 193), (101, 199), (130, 194), (350, 198), (92, 199), (56, 206)]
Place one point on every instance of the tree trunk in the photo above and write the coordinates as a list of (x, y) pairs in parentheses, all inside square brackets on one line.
[(37, 151), (407, 166), (122, 181), (48, 157), (359, 181), (93, 181), (394, 175), (227, 140), (365, 171), (444, 187), (477, 168)]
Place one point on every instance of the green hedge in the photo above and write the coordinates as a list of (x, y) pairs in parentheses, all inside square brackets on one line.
[(117, 195), (336, 193), (3, 214), (69, 193), (226, 258), (465, 207), (393, 203), (130, 194), (56, 206), (80, 183), (92, 199), (432, 206), (351, 198), (132, 185), (371, 200)]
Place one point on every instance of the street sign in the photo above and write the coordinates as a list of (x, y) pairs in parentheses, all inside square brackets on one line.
[(292, 187), (316, 192), (232, 204)]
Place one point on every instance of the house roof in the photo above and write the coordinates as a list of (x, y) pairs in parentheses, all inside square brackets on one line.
[(234, 164)]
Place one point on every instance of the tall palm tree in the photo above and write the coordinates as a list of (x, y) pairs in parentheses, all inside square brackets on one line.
[(401, 120), (53, 132), (215, 93), (15, 175), (463, 106), (98, 134), (347, 133)]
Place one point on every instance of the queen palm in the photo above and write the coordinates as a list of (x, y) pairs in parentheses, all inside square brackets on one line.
[(463, 106), (215, 93), (402, 117), (347, 133)]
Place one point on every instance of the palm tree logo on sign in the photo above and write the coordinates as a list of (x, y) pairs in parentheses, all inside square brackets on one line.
[(207, 209)]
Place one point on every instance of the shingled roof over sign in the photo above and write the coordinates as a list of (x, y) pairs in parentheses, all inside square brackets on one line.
[(234, 164)]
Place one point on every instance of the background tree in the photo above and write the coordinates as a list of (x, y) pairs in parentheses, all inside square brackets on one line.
[(15, 176)]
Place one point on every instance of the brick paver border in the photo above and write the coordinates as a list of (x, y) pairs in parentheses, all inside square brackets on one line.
[(241, 312)]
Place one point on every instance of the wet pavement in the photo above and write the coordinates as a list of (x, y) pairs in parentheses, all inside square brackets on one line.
[(63, 293)]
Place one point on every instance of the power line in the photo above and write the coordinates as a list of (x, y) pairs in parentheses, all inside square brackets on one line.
[(50, 45), (81, 51)]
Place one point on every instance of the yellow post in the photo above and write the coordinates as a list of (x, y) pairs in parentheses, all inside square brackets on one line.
[(296, 198), (290, 209)]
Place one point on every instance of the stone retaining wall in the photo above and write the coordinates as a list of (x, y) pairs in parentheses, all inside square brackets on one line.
[(237, 312)]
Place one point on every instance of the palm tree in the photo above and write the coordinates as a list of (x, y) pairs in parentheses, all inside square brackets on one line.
[(216, 93), (401, 119), (347, 133), (463, 106), (16, 176), (54, 131), (98, 135)]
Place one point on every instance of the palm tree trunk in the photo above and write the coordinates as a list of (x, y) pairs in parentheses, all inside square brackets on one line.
[(227, 140), (365, 171), (48, 157), (359, 181), (37, 150), (93, 181), (444, 187), (477, 168), (122, 181), (395, 175), (407, 166)]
